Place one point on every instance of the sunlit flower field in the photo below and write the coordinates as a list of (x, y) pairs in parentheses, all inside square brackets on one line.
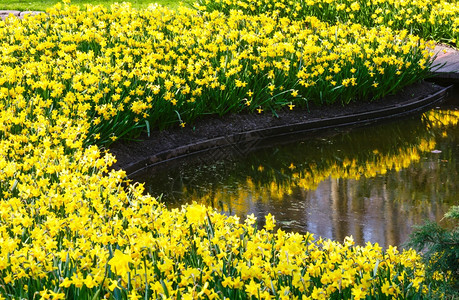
[(73, 81), (430, 19)]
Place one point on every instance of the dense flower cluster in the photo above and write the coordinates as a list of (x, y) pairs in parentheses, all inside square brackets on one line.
[(71, 228), (130, 69), (430, 19)]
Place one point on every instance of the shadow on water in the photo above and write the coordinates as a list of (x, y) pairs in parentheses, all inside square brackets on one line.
[(373, 182)]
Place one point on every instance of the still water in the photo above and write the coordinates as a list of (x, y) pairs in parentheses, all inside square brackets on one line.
[(373, 182)]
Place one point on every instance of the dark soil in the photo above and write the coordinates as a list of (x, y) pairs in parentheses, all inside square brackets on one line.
[(129, 152)]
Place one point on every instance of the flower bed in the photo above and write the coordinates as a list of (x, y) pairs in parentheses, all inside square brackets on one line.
[(430, 19), (130, 70), (73, 81)]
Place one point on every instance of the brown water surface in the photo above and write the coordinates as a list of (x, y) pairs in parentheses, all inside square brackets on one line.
[(373, 182)]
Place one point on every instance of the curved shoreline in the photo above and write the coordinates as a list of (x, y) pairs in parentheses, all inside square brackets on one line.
[(134, 157)]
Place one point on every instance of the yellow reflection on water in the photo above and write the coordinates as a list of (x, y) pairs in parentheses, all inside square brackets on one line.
[(355, 194), (308, 179)]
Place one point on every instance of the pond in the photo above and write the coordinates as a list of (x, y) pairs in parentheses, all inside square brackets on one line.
[(373, 182)]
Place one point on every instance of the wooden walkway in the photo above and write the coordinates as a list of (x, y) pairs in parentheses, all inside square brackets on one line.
[(446, 63)]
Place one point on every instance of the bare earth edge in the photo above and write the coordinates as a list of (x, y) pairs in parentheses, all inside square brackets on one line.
[(213, 132)]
